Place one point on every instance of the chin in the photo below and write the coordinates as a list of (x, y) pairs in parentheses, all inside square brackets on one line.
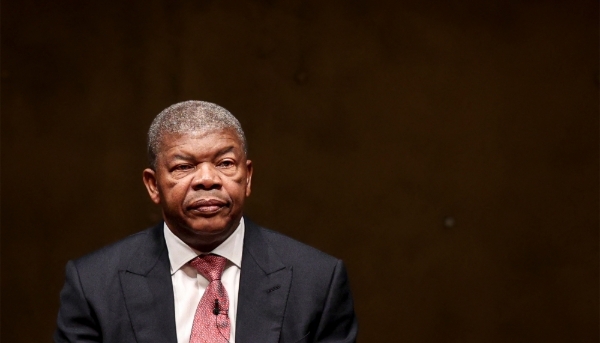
[(209, 228)]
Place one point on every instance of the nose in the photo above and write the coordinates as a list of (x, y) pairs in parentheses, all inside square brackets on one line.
[(206, 178)]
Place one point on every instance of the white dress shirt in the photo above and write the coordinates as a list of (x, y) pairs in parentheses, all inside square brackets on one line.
[(189, 285)]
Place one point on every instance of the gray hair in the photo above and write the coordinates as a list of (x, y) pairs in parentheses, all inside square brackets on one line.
[(190, 116)]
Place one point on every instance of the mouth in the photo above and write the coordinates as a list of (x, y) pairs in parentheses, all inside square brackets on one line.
[(207, 206)]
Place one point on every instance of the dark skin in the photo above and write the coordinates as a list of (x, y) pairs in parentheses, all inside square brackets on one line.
[(201, 181)]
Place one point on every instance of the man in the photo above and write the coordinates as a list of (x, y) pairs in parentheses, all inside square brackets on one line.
[(206, 274)]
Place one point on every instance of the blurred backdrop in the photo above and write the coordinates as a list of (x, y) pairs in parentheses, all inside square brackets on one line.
[(447, 151)]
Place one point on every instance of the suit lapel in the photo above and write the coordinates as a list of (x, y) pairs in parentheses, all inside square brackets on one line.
[(148, 291), (264, 288)]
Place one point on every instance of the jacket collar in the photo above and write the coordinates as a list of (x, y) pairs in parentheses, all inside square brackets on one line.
[(264, 289), (148, 290)]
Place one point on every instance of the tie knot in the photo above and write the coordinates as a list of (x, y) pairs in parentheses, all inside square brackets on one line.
[(210, 266)]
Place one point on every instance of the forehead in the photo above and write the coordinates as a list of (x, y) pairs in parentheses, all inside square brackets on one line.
[(200, 140)]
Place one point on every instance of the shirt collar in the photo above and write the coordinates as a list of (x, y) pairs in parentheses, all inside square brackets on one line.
[(181, 253)]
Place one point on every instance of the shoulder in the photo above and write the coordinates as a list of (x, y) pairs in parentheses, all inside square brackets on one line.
[(118, 254), (293, 252)]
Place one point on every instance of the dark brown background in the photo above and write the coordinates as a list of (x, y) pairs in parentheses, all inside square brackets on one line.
[(369, 122)]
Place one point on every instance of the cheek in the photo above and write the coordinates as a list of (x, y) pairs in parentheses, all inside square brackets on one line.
[(236, 188), (173, 192)]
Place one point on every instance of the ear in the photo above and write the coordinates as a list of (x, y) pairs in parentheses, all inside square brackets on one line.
[(149, 178), (248, 177)]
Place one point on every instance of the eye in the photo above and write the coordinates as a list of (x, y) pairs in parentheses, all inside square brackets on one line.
[(183, 167), (226, 164)]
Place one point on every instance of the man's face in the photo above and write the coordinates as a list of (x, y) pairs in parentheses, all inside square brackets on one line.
[(201, 181)]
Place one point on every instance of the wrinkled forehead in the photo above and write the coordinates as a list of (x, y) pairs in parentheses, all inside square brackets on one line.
[(214, 135)]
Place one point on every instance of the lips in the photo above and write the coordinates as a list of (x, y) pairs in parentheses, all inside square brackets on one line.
[(207, 206)]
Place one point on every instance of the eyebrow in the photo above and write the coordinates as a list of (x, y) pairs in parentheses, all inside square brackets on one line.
[(224, 150), (191, 157), (182, 157)]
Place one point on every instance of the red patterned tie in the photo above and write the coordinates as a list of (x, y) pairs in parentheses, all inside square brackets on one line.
[(211, 322)]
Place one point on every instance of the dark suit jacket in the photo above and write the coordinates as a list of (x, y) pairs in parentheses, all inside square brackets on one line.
[(289, 292)]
